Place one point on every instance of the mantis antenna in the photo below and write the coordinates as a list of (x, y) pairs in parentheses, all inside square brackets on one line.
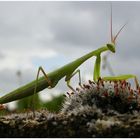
[(113, 38)]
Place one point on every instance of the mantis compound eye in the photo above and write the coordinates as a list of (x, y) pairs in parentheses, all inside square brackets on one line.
[(111, 47)]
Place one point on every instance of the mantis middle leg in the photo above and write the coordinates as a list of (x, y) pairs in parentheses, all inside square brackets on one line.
[(68, 78)]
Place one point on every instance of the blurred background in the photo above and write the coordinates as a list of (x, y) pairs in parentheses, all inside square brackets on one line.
[(52, 34)]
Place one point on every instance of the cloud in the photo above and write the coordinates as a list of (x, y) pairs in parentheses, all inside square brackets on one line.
[(21, 57), (75, 28)]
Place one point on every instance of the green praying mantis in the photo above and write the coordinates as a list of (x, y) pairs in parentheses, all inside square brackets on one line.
[(51, 79)]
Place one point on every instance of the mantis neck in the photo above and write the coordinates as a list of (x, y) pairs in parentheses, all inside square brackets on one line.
[(96, 52), (71, 67)]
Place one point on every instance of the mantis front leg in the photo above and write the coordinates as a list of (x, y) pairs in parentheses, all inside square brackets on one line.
[(97, 66), (68, 78), (123, 77), (114, 78)]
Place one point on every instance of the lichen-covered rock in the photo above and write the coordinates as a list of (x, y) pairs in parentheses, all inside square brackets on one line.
[(102, 109)]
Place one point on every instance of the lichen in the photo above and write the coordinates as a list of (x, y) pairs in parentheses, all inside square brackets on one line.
[(115, 95)]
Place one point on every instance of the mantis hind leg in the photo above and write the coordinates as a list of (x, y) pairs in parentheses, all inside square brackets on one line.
[(68, 78), (40, 69)]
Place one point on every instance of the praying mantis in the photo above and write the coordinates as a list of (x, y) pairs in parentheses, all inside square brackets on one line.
[(51, 79)]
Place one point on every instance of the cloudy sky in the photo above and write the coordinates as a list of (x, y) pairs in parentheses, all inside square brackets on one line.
[(51, 34)]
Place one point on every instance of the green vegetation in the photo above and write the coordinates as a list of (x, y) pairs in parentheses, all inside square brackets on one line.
[(27, 103), (55, 105)]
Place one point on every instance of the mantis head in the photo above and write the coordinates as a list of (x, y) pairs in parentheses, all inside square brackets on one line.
[(111, 46)]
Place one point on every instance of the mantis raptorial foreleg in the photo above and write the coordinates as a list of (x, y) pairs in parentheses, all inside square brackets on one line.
[(68, 78), (122, 77), (107, 65), (97, 66)]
